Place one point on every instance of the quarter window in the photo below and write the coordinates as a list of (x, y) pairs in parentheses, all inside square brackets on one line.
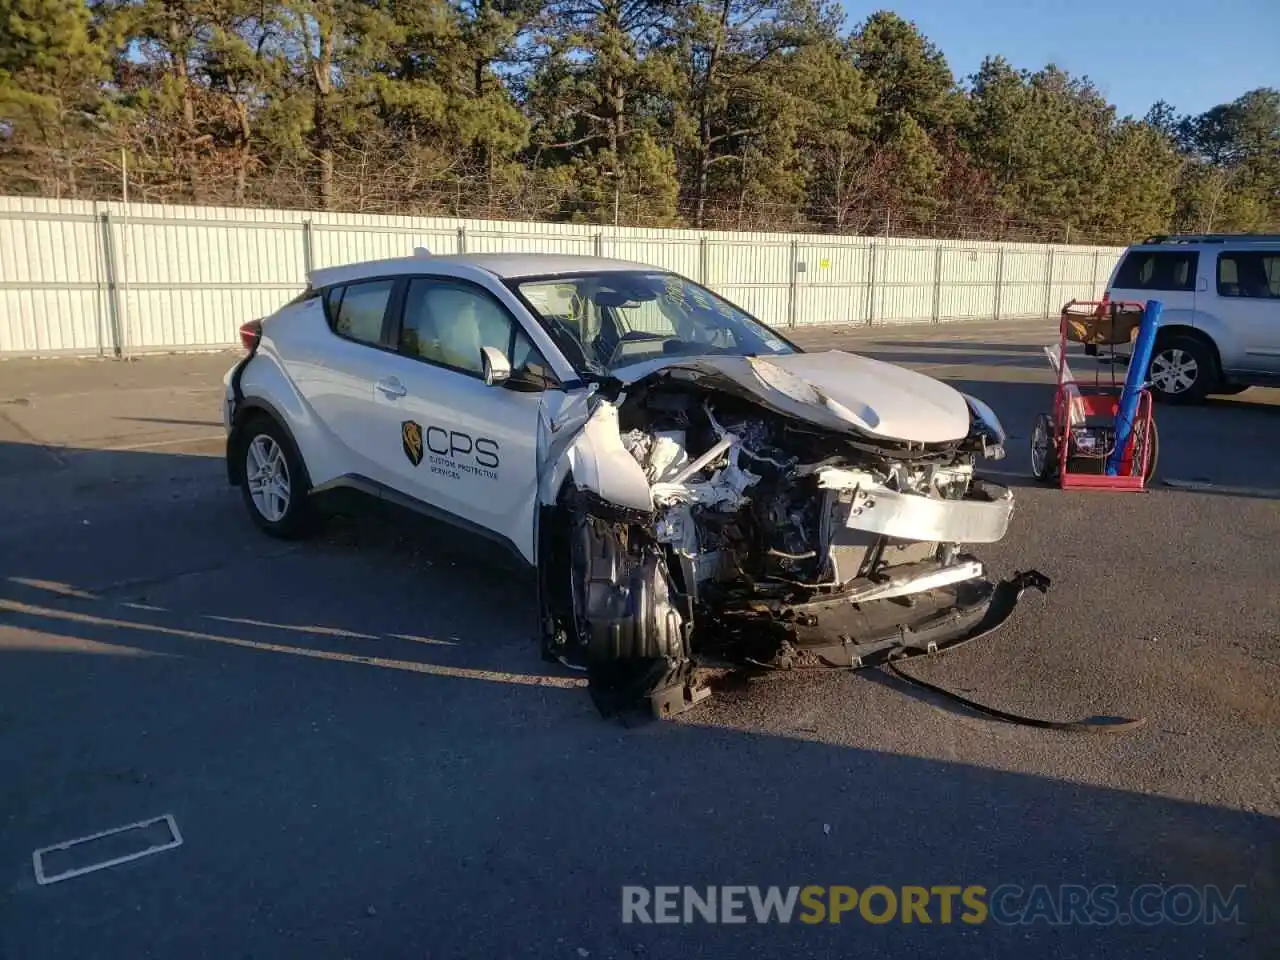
[(1158, 270), (1253, 274)]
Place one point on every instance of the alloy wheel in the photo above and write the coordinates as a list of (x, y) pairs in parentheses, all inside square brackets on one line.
[(1174, 371), (267, 476)]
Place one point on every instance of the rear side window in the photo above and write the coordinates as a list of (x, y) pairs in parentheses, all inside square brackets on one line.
[(357, 310), (1253, 274), (1158, 270)]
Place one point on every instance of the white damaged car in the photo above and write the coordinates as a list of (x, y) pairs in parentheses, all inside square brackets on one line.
[(693, 489)]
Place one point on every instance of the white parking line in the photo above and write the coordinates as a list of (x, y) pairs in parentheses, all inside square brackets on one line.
[(411, 666), (207, 438)]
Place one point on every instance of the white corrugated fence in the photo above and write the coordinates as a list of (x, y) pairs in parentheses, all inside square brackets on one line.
[(78, 277)]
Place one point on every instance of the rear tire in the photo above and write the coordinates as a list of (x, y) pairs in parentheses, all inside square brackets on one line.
[(1146, 446), (274, 481), (1183, 370)]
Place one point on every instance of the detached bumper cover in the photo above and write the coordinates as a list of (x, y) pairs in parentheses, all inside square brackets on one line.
[(948, 618), (671, 688), (834, 632)]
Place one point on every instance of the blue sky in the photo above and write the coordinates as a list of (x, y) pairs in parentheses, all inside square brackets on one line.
[(1202, 52)]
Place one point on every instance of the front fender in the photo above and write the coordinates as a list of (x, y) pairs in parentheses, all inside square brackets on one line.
[(597, 462), (1230, 350)]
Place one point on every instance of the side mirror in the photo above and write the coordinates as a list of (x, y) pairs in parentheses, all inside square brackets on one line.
[(495, 366)]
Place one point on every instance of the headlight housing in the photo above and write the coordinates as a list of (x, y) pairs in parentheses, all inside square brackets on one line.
[(986, 424)]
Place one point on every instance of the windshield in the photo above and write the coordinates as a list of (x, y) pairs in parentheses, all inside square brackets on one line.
[(605, 321)]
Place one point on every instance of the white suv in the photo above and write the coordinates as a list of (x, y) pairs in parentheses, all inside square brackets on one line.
[(1220, 332), (690, 486)]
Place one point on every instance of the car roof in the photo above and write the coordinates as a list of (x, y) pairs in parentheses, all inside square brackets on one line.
[(1202, 241), (505, 266)]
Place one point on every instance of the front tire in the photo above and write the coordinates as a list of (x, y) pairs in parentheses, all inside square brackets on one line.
[(274, 481), (1183, 370), (1044, 449)]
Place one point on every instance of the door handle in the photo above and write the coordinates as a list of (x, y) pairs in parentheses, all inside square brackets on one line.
[(391, 387)]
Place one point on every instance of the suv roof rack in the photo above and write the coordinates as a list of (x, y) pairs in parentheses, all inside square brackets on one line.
[(1213, 238)]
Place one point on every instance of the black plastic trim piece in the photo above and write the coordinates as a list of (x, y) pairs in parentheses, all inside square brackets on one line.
[(395, 499)]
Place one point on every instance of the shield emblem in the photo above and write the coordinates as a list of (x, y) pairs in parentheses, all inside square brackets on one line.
[(411, 440)]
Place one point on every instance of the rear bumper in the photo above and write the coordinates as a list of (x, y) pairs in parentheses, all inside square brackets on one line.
[(232, 396)]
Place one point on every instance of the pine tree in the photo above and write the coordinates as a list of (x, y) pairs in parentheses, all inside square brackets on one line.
[(735, 113), (51, 105), (908, 73)]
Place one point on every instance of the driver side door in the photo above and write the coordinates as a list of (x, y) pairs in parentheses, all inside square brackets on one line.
[(459, 446)]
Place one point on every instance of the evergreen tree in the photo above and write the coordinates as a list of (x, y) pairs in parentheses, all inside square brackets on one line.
[(763, 114), (52, 65)]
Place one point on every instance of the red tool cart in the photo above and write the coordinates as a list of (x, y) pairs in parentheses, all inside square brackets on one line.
[(1076, 441)]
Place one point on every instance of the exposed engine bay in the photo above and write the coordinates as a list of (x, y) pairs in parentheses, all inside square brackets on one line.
[(774, 542)]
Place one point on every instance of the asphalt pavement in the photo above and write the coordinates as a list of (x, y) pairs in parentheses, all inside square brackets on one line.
[(366, 757)]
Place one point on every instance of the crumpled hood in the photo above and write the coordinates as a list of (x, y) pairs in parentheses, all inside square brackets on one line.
[(838, 390)]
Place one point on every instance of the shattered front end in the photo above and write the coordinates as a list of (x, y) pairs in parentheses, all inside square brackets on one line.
[(773, 534)]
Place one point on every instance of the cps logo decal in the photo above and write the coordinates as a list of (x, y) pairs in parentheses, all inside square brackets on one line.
[(411, 441)]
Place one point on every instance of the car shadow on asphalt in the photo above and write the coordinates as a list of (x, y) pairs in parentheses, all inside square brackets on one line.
[(354, 810), (363, 751), (423, 603)]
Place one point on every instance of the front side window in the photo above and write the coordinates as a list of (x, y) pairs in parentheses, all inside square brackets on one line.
[(447, 323), (1254, 274), (611, 319), (1158, 270)]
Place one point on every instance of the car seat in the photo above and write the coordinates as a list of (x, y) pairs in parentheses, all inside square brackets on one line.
[(456, 327)]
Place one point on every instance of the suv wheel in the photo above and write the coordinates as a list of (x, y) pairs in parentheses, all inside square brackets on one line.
[(275, 486), (1182, 370)]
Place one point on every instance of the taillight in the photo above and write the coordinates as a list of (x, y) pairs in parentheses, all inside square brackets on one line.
[(250, 334)]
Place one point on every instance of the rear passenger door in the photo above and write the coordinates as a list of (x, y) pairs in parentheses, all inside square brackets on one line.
[(340, 385), (1248, 290)]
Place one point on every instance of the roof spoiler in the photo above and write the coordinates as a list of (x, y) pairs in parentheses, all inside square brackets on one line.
[(321, 276)]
